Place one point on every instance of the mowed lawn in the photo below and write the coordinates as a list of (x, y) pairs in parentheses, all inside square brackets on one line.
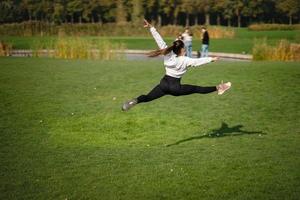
[(64, 136), (242, 43)]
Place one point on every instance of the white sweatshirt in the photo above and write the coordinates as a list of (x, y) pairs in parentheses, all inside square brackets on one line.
[(175, 65), (187, 37)]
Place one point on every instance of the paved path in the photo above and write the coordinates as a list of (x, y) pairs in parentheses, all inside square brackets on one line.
[(225, 56), (141, 55)]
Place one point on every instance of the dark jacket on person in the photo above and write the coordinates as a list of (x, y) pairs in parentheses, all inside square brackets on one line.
[(205, 39)]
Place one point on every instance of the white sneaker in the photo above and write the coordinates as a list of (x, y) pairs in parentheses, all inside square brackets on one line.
[(129, 104), (223, 87)]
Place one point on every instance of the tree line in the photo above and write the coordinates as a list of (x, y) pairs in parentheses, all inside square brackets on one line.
[(162, 12)]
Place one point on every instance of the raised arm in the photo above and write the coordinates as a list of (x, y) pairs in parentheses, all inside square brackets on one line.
[(158, 39)]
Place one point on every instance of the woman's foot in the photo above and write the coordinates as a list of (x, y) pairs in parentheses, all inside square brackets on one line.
[(129, 104), (221, 88)]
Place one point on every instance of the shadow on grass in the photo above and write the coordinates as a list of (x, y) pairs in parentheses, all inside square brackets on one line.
[(223, 131)]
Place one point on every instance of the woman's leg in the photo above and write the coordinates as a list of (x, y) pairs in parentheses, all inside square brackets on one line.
[(192, 89), (206, 51), (203, 51), (186, 50), (179, 90), (155, 93), (190, 50)]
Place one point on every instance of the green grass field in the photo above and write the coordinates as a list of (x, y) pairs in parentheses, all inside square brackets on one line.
[(64, 137), (243, 42)]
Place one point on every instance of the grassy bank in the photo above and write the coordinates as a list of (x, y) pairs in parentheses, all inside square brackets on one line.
[(63, 135)]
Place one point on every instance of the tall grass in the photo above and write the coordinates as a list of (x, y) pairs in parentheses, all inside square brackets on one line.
[(5, 49), (74, 48), (47, 29), (282, 51), (33, 28), (78, 48), (270, 27), (42, 48)]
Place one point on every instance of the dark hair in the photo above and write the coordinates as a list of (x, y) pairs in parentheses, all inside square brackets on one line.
[(176, 47)]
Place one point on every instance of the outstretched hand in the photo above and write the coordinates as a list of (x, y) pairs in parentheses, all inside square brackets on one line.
[(213, 59), (147, 24)]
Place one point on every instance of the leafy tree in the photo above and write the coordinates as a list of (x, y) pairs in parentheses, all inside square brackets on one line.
[(289, 7), (46, 10), (151, 9), (6, 10), (206, 8), (74, 8), (228, 11), (59, 11), (120, 12), (188, 7), (175, 10), (28, 6), (162, 5), (184, 12), (267, 8), (87, 10), (218, 9), (102, 9), (239, 6), (256, 8), (171, 9), (137, 11)]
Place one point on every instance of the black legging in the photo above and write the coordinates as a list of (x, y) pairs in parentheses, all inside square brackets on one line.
[(172, 86)]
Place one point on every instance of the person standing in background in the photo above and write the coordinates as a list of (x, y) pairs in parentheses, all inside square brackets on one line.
[(187, 39), (179, 37), (205, 42)]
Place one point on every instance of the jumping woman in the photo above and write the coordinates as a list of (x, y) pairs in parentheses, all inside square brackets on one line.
[(176, 64)]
